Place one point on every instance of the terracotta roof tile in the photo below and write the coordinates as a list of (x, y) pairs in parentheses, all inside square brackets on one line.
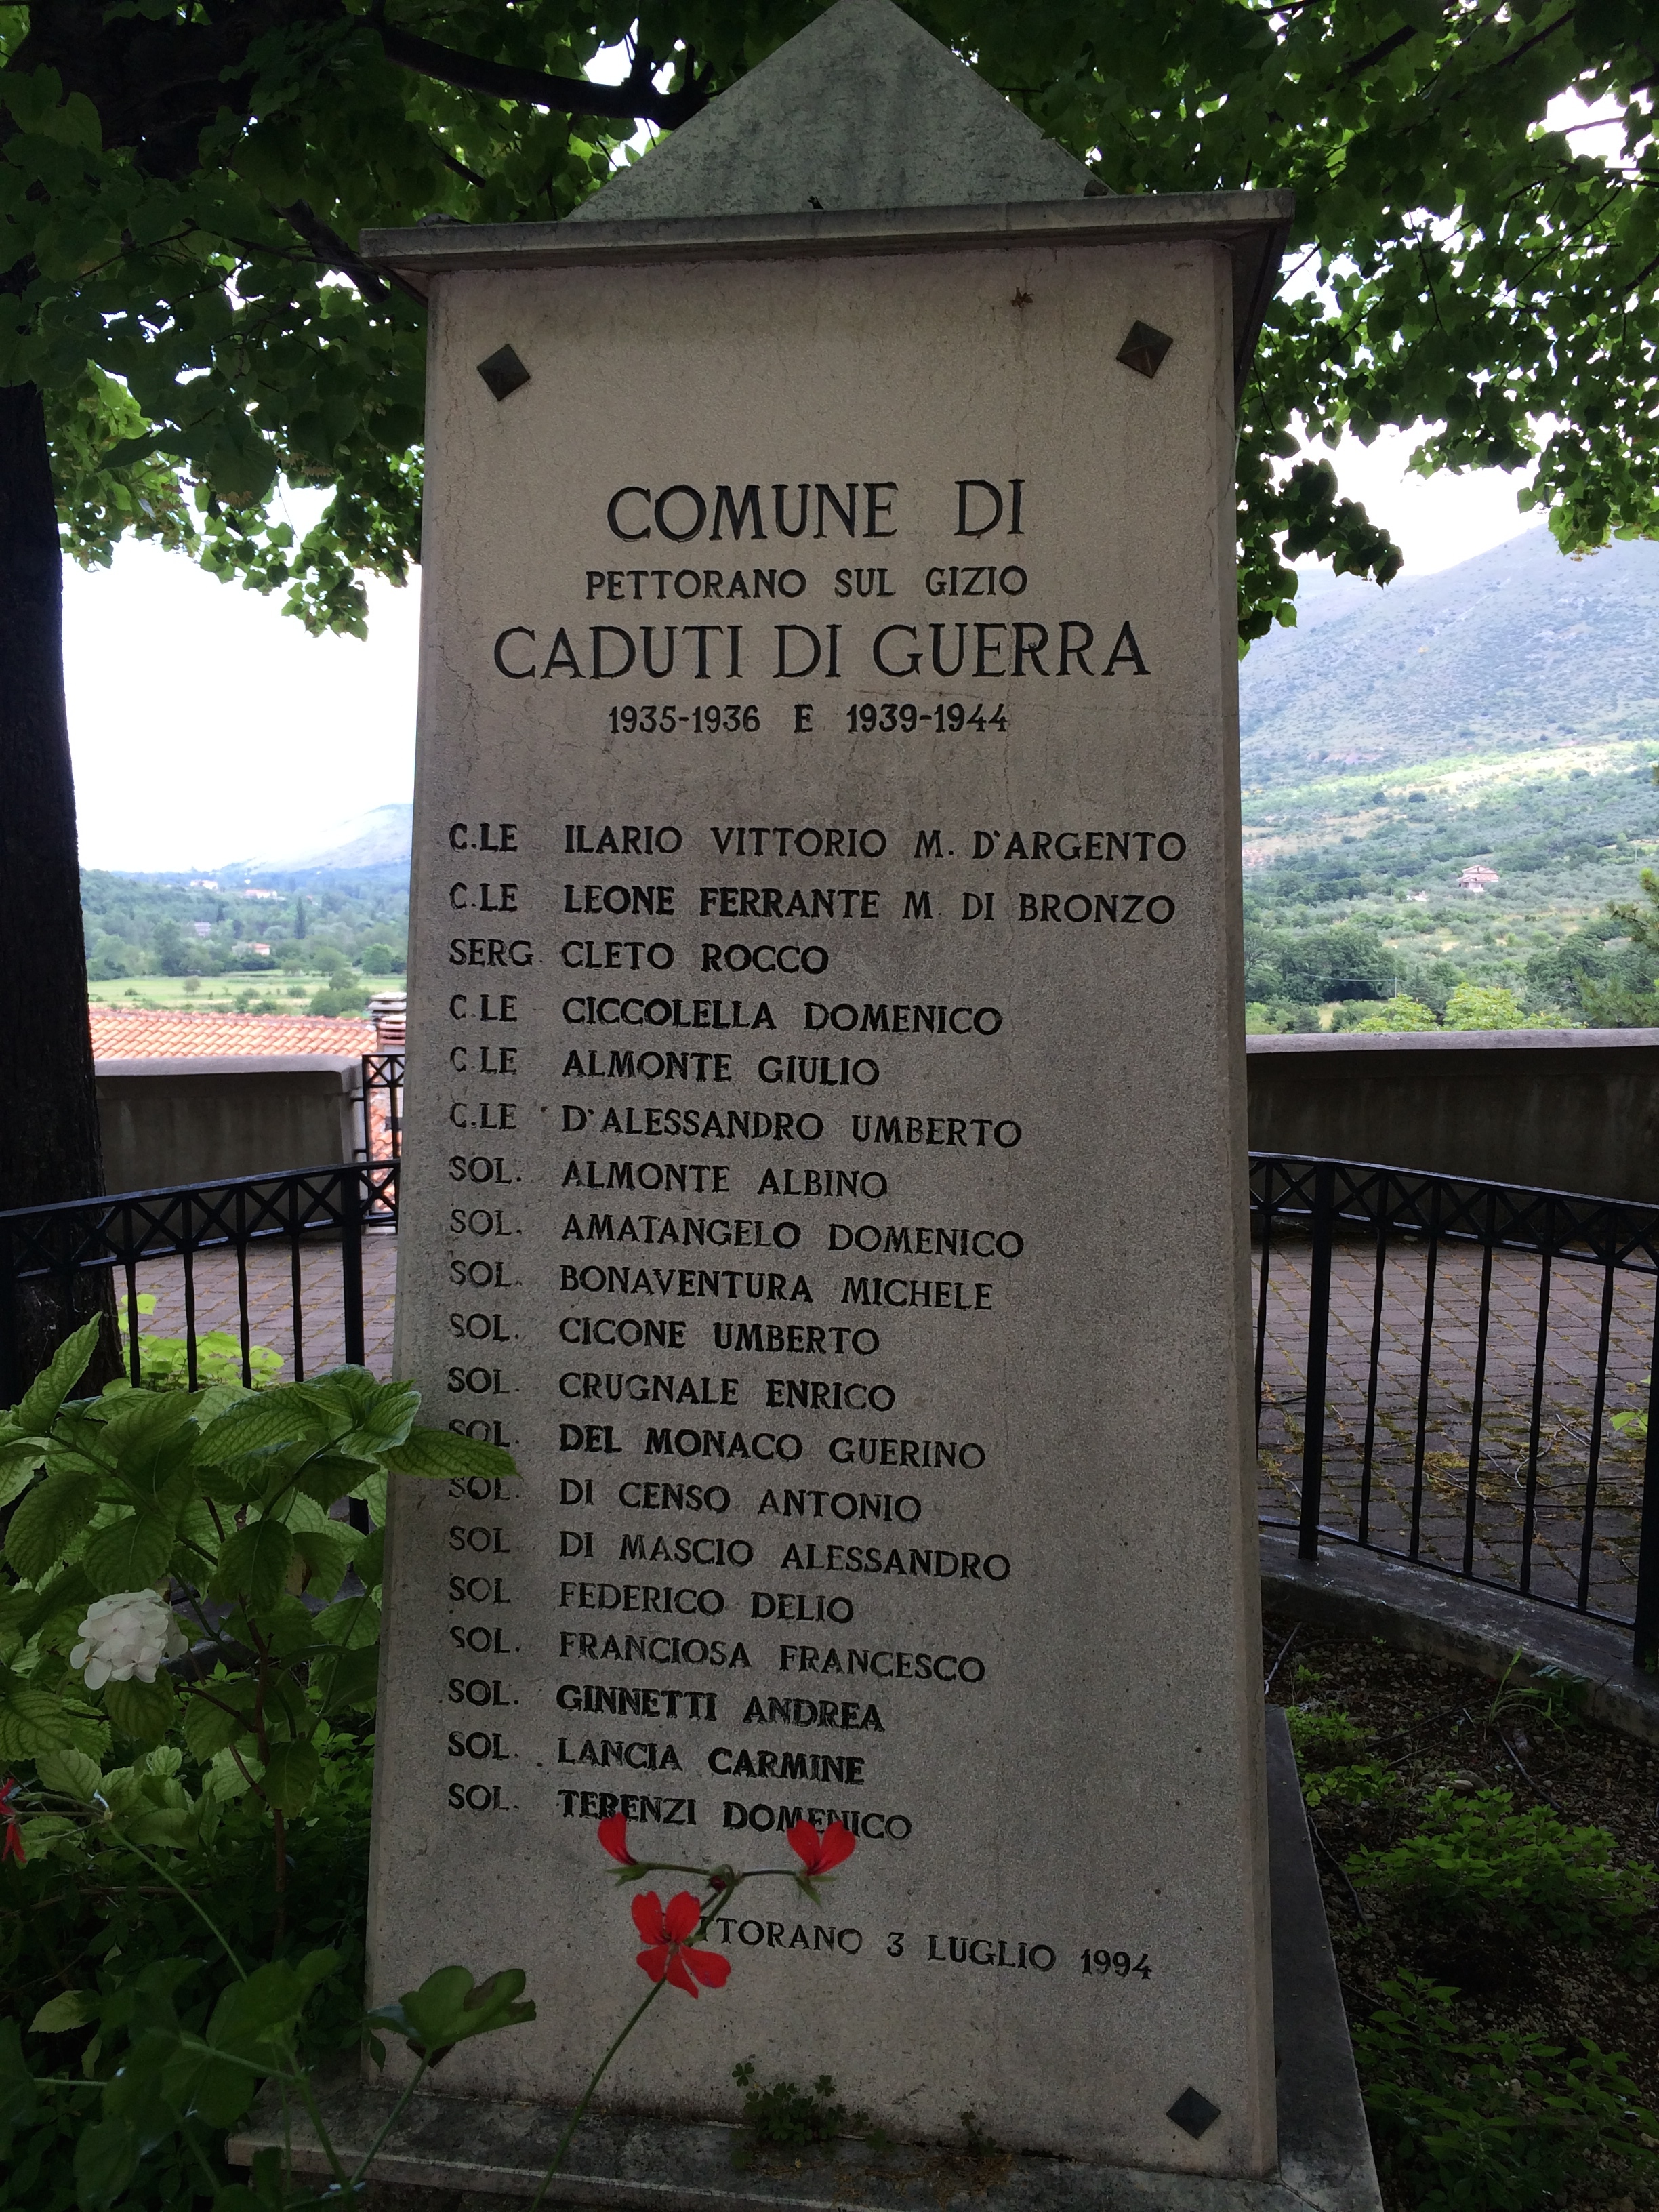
[(142, 1035)]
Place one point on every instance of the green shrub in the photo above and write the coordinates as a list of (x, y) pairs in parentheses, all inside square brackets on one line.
[(1399, 1012), (1477, 1862), (785, 2118), (149, 1783), (164, 1361), (60, 1931), (1493, 2122), (1324, 1739), (1331, 1761), (349, 999)]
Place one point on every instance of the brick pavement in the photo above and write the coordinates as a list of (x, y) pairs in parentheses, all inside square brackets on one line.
[(1423, 1408), (270, 1299), (1440, 1402)]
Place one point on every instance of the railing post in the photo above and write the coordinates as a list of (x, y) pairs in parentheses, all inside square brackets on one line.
[(1646, 1642), (1319, 1329), (11, 1381), (355, 1186)]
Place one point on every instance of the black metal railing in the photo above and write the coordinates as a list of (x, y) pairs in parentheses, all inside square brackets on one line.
[(382, 1106), (272, 1262), (1457, 1374), (1463, 1375)]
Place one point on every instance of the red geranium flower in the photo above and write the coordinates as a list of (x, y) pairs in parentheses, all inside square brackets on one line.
[(11, 1840), (669, 1956), (613, 1837), (822, 1853)]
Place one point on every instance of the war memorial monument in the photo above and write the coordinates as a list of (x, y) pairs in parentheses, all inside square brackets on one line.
[(825, 1166)]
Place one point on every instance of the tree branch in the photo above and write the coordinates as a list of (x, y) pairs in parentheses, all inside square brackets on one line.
[(636, 98), (1515, 54), (328, 246), (1380, 53), (458, 168)]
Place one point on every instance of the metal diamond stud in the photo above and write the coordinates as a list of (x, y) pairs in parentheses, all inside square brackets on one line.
[(1191, 2111), (1143, 349), (503, 372)]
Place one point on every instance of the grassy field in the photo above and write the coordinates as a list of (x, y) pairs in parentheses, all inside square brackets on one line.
[(267, 992)]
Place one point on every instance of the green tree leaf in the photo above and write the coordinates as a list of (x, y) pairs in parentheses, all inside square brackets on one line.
[(370, 1561), (254, 1563), (69, 1773), (18, 2094), (352, 1623), (345, 1680), (32, 1722), (379, 1414), (18, 1461), (217, 1715), (292, 1773), (327, 1553), (447, 2008), (143, 1710), (106, 2159), (48, 1520), (70, 2008), (437, 1455), (269, 1418), (255, 2020), (38, 1408), (130, 1553), (150, 1435)]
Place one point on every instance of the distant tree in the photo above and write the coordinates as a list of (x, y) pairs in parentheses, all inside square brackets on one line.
[(1624, 995), (1399, 1012), (1491, 1006), (168, 947), (188, 322), (1348, 961)]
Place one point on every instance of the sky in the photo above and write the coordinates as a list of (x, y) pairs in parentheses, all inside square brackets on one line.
[(208, 727)]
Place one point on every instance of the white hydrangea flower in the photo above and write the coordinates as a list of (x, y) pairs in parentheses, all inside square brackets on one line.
[(126, 1638)]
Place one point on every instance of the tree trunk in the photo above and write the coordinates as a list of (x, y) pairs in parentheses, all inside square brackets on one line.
[(50, 1147)]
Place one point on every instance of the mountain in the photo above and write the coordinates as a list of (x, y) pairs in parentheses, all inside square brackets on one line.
[(1518, 648), (377, 842)]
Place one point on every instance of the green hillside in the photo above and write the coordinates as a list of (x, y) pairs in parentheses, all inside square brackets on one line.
[(1504, 712)]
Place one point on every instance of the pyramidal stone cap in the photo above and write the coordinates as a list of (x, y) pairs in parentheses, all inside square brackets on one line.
[(862, 109), (861, 135)]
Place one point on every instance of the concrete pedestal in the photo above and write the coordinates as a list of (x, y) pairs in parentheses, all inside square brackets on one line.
[(457, 2155)]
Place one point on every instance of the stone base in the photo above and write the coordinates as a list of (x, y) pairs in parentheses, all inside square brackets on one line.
[(454, 2154), (1479, 1625)]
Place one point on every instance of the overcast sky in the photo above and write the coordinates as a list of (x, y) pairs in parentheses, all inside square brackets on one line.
[(209, 727)]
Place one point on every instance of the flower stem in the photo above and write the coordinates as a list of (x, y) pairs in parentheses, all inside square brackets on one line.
[(576, 2118), (724, 1891), (374, 2150), (212, 1926), (323, 2137)]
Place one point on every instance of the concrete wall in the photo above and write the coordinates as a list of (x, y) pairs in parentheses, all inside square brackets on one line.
[(1562, 1110), (168, 1122)]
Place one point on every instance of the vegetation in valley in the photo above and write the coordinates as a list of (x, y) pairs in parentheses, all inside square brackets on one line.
[(1452, 783), (308, 951)]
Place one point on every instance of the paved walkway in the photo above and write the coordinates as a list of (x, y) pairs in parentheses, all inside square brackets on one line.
[(274, 1275), (1422, 1413)]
